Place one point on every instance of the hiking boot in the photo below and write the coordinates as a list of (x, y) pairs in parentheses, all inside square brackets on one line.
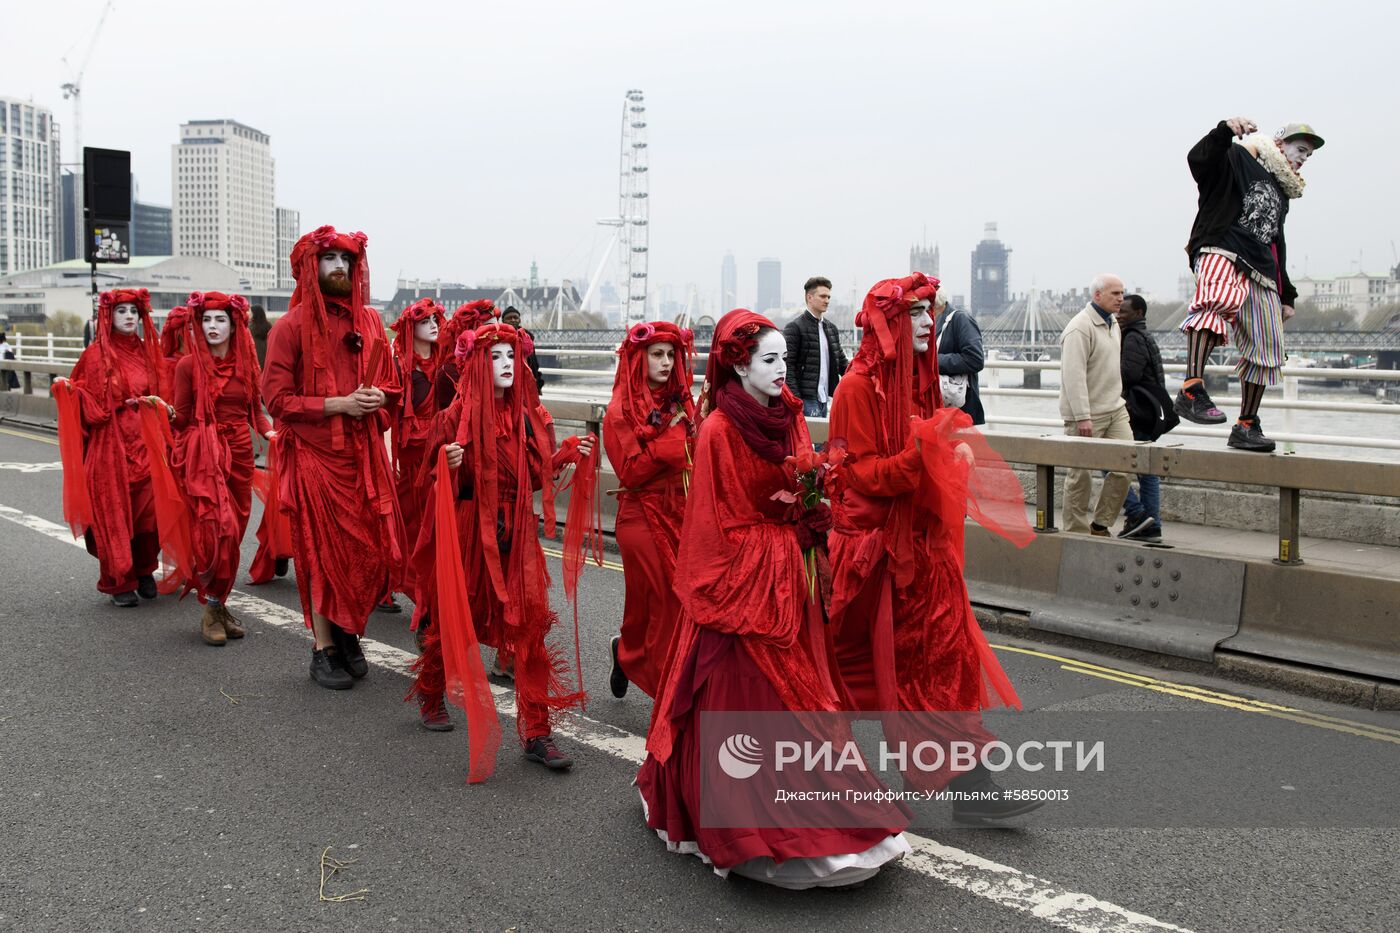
[(352, 656), (1194, 404), (1134, 524), (543, 750), (989, 800), (617, 680), (389, 604), (281, 565), (1099, 531), (125, 600), (327, 670), (433, 714), (232, 628), (211, 627), (1248, 435), (146, 587)]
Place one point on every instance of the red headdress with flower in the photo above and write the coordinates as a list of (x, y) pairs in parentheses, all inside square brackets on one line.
[(648, 409), (906, 382), (149, 338), (307, 294), (172, 334), (212, 374), (735, 339)]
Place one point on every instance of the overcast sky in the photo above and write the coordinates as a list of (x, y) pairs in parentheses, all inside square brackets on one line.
[(469, 138)]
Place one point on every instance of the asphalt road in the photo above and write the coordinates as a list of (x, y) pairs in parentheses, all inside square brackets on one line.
[(150, 782)]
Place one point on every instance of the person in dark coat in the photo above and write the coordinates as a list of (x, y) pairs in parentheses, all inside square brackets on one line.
[(1149, 413), (511, 316), (960, 353), (11, 379), (815, 360)]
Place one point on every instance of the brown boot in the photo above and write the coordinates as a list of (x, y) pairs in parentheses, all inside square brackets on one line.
[(231, 627), (212, 627)]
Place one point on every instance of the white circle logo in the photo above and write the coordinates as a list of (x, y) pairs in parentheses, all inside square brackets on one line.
[(740, 756)]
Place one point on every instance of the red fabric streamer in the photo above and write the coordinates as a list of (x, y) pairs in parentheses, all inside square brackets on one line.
[(274, 531), (467, 686), (583, 531), (77, 505), (172, 511)]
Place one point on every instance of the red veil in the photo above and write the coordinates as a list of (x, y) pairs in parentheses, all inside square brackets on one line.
[(415, 426)]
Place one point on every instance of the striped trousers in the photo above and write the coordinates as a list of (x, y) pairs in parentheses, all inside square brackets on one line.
[(1227, 300)]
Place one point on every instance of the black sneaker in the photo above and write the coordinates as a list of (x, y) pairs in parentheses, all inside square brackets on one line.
[(543, 750), (1151, 533), (281, 565), (1250, 436), (352, 656), (146, 587), (327, 671), (989, 800), (389, 605), (1134, 524), (125, 600), (1194, 404), (617, 679)]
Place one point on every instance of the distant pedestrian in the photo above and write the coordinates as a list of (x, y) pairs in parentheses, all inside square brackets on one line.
[(1091, 402), (960, 358), (511, 316), (7, 351), (1150, 415), (815, 359)]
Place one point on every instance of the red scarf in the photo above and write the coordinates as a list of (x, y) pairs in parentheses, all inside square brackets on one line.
[(765, 428)]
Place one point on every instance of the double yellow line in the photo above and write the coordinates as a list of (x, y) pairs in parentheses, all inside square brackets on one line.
[(1216, 698), (28, 436)]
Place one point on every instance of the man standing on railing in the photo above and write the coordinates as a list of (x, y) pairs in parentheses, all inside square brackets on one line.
[(1091, 402), (1239, 257)]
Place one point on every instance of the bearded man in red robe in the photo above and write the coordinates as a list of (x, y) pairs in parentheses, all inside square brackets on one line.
[(327, 381)]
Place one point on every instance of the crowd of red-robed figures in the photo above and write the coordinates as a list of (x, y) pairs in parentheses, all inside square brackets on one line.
[(760, 575)]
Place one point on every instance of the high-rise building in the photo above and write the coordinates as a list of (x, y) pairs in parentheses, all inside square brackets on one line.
[(728, 284), (925, 260), (770, 286), (223, 192), (70, 222), (31, 225), (150, 229), (989, 269), (288, 232)]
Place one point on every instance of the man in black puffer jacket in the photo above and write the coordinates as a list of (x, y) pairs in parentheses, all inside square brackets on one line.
[(1149, 413), (815, 360)]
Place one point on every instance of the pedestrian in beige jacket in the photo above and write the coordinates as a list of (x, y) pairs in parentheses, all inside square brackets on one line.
[(1091, 402)]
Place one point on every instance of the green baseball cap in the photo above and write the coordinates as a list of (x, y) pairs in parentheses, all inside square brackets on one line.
[(1304, 130)]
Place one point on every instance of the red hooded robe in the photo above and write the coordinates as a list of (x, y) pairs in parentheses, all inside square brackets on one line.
[(413, 416)]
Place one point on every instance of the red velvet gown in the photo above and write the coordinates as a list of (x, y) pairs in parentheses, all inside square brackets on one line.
[(123, 535), (220, 517), (650, 510), (515, 634), (409, 439), (749, 640), (912, 648), (336, 485)]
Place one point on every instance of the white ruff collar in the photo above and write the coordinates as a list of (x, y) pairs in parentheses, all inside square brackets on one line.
[(1273, 159)]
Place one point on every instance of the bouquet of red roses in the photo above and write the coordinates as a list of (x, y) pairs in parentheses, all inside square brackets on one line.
[(817, 474)]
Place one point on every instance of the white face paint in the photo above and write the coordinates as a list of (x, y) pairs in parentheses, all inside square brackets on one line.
[(765, 373), (426, 329), (661, 359), (125, 318), (502, 367), (1297, 151), (922, 323), (217, 328)]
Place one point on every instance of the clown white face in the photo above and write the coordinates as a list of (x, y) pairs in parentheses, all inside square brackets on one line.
[(661, 359), (502, 367), (426, 330), (922, 322), (1296, 151), (217, 329), (766, 371), (333, 268), (124, 318)]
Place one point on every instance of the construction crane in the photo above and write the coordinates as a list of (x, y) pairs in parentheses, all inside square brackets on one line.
[(73, 90)]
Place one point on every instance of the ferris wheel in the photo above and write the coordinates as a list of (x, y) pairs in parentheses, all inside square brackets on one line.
[(632, 209)]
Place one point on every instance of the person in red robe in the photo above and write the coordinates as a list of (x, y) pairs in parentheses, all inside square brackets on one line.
[(905, 636), (217, 400), (648, 432), (469, 316), (750, 637), (173, 345), (327, 382), (108, 496), (500, 447), (417, 357)]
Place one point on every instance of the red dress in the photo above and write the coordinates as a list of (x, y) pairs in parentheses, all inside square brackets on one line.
[(336, 484), (409, 439), (749, 639), (122, 535), (218, 481), (650, 509)]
